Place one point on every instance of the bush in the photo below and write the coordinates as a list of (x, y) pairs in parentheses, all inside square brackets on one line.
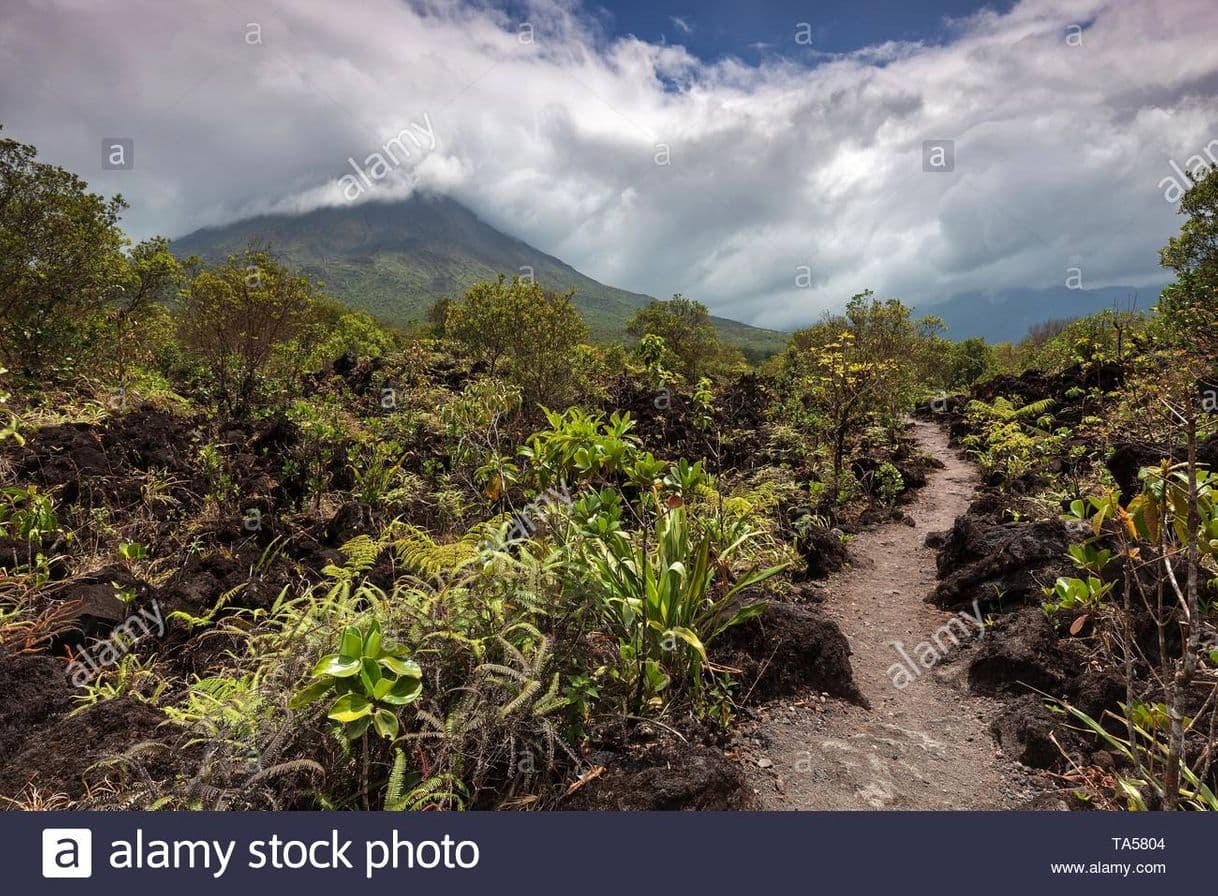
[(235, 315)]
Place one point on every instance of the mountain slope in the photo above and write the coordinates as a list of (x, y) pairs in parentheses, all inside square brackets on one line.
[(394, 259), (1005, 315)]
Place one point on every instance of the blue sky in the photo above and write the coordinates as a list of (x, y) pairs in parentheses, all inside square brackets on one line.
[(712, 29)]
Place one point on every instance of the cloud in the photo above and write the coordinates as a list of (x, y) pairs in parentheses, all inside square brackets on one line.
[(681, 24), (639, 163)]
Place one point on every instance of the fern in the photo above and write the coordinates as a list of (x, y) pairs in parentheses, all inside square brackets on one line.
[(419, 553), (1004, 410), (395, 789), (360, 553)]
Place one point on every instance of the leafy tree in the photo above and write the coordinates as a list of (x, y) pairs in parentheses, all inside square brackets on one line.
[(1191, 303), (337, 330), (436, 316), (484, 318), (685, 326), (153, 276), (236, 314), (61, 260), (969, 360), (856, 367), (522, 332)]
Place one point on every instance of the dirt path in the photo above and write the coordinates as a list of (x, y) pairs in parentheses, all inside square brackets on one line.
[(922, 746)]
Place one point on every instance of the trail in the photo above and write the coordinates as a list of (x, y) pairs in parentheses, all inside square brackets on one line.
[(924, 746)]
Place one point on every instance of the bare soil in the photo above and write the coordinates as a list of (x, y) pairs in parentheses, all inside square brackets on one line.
[(924, 746)]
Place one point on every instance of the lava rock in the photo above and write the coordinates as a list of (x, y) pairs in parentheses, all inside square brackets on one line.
[(672, 777), (1019, 652), (1024, 730), (788, 649), (998, 562)]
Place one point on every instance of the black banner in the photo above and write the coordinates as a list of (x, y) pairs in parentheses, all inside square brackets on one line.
[(1023, 852)]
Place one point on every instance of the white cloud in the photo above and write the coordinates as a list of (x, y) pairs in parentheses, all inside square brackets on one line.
[(550, 130)]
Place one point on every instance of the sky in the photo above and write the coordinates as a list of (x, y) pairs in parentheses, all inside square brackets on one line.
[(770, 159)]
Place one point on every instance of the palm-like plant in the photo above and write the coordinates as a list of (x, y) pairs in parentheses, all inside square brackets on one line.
[(664, 602)]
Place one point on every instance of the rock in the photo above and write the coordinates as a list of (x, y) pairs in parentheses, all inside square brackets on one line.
[(1023, 729), (56, 756), (348, 521), (36, 689), (1046, 802), (670, 777), (1094, 693), (763, 762), (935, 540), (1004, 562), (1018, 653), (1128, 458), (787, 649), (823, 551)]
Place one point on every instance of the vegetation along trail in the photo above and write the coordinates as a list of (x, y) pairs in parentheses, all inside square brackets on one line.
[(923, 745)]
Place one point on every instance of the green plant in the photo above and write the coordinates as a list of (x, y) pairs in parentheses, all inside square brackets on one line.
[(9, 430), (368, 680), (410, 792), (1147, 750), (377, 473), (132, 677), (216, 471), (704, 404), (1076, 594), (888, 484), (581, 447), (1089, 558), (132, 551), (27, 514), (661, 599)]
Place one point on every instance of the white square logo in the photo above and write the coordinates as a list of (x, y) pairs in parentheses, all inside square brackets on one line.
[(67, 852)]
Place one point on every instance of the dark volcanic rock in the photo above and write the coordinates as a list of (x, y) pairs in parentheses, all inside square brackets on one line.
[(1127, 458), (36, 689), (56, 757), (786, 650), (670, 777), (1017, 653), (823, 551), (1008, 563), (1024, 731)]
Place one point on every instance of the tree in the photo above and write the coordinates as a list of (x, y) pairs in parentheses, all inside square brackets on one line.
[(1190, 305), (236, 314), (522, 332), (61, 261), (153, 276), (336, 330), (857, 366), (687, 331), (969, 360), (436, 316)]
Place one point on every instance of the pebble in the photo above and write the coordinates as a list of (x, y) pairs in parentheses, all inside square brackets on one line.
[(763, 762)]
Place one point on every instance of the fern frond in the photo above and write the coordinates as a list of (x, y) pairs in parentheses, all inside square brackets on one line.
[(287, 768)]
